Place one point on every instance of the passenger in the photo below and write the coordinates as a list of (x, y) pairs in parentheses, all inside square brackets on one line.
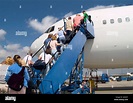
[(47, 59), (76, 21), (85, 16), (9, 60), (90, 20), (15, 68), (28, 59), (61, 36), (47, 40), (54, 45), (69, 28)]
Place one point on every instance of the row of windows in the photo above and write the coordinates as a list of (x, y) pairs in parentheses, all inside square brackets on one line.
[(119, 20)]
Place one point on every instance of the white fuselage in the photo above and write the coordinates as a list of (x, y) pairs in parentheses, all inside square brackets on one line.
[(112, 46)]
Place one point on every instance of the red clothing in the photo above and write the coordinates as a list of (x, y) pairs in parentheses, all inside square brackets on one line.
[(76, 20)]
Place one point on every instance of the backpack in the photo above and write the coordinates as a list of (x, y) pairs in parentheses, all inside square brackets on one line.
[(39, 64), (48, 48), (16, 81)]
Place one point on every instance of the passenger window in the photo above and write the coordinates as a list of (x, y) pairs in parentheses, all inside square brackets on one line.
[(111, 21), (119, 20), (104, 22), (127, 19), (50, 29)]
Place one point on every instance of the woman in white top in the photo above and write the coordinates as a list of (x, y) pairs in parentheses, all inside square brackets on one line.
[(28, 59), (53, 44), (47, 59)]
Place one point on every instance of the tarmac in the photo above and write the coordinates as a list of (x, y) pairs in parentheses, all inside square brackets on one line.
[(112, 87), (115, 87)]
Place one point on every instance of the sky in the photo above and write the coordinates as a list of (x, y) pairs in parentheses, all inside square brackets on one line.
[(22, 21)]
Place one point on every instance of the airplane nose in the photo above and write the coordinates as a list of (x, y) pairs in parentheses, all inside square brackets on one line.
[(35, 46), (38, 43)]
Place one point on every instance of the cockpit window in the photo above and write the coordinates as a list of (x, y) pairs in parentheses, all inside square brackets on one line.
[(50, 29)]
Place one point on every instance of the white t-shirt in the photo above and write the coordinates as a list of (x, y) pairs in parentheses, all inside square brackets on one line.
[(61, 34), (27, 58), (47, 57)]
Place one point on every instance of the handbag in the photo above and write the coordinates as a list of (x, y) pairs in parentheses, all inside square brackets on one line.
[(16, 81), (48, 48)]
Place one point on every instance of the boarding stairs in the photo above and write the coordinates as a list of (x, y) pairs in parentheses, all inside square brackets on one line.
[(66, 66)]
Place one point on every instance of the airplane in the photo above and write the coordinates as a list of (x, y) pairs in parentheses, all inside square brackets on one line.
[(112, 46)]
